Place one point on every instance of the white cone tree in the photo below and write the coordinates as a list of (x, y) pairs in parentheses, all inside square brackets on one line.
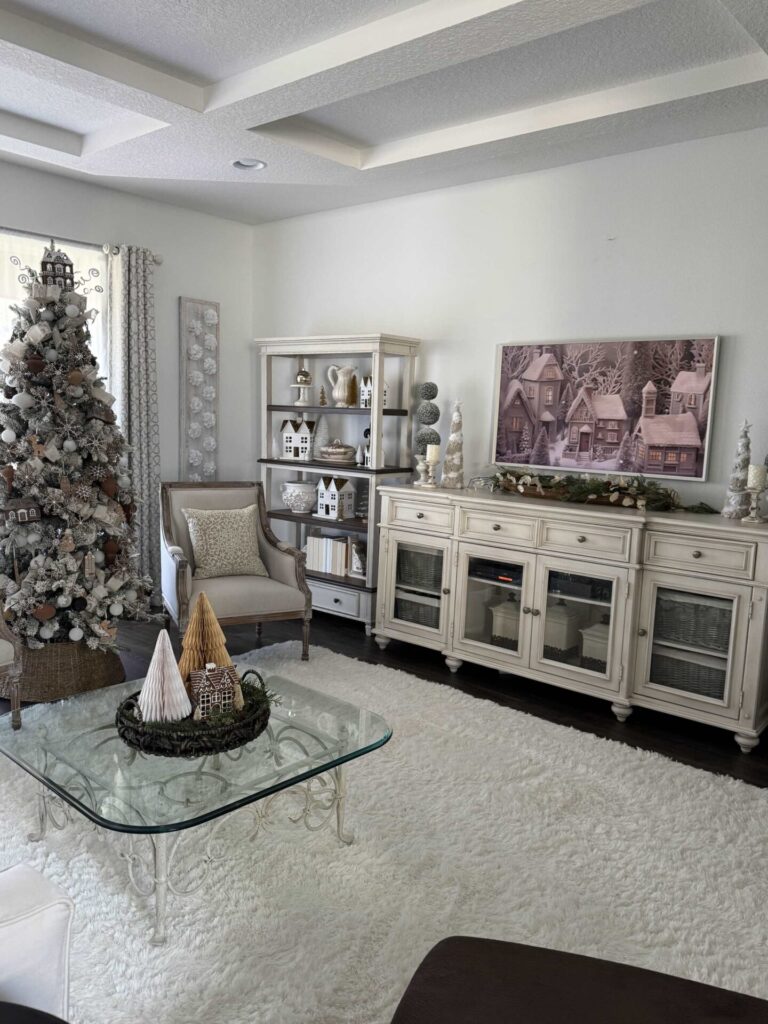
[(163, 696), (453, 465)]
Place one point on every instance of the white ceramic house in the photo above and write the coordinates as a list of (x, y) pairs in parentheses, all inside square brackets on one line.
[(335, 498), (366, 393), (297, 439)]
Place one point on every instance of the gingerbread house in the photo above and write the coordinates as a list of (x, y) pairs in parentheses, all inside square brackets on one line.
[(213, 690), (56, 268)]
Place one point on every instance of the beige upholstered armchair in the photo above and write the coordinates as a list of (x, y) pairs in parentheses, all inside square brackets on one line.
[(235, 599)]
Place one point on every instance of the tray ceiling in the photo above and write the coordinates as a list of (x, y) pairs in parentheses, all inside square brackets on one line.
[(350, 101)]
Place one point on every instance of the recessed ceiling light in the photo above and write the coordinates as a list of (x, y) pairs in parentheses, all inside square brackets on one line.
[(249, 163)]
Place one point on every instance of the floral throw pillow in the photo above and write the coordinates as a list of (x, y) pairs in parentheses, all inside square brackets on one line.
[(225, 542)]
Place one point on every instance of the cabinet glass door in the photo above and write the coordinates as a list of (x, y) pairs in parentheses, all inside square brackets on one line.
[(579, 615), (694, 641), (417, 584), (492, 590)]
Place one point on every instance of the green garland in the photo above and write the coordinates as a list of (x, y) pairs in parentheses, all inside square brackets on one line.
[(620, 491)]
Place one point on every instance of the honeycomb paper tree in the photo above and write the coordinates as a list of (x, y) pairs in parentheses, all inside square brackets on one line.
[(163, 696), (204, 642)]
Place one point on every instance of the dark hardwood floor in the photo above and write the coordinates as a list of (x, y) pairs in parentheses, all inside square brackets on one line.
[(697, 745)]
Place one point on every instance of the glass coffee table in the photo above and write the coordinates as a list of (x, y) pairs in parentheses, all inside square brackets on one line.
[(73, 750)]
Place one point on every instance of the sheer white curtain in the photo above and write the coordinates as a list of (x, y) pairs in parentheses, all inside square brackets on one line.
[(90, 263)]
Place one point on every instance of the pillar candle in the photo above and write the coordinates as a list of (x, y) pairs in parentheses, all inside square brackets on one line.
[(757, 477), (433, 453)]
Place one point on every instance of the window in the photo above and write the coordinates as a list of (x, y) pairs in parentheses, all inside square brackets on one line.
[(685, 457), (550, 373), (678, 396), (530, 391), (654, 455), (574, 434), (516, 423), (691, 399), (670, 457), (613, 425), (613, 436), (549, 395), (28, 250)]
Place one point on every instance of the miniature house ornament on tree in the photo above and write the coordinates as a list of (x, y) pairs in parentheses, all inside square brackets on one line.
[(453, 463), (67, 543), (737, 499)]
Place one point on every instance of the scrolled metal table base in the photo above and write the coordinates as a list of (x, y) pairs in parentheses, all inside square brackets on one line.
[(155, 860)]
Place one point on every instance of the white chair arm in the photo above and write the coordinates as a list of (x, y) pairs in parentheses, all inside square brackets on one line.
[(176, 582), (35, 922)]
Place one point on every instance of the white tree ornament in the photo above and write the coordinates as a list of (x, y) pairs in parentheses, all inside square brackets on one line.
[(163, 697), (453, 464)]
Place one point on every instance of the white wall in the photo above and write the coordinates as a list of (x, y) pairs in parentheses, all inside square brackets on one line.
[(658, 243), (204, 257)]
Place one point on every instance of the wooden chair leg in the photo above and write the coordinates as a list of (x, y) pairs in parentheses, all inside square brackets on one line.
[(305, 641), (258, 633), (15, 703)]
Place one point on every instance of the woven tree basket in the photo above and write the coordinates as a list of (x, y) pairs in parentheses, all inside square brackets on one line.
[(61, 669)]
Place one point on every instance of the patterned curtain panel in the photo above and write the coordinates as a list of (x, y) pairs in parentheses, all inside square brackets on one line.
[(133, 381)]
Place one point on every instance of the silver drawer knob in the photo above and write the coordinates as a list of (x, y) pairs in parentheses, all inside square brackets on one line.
[(496, 526), (446, 590), (337, 600), (642, 631), (526, 610), (581, 539), (535, 611), (695, 554), (419, 515)]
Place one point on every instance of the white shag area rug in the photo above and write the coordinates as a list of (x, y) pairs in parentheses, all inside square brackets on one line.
[(474, 819)]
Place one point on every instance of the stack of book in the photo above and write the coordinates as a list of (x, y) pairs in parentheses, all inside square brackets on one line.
[(327, 554), (333, 555)]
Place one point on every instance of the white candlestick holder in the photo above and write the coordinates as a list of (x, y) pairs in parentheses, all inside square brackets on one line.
[(754, 499), (432, 465), (423, 470)]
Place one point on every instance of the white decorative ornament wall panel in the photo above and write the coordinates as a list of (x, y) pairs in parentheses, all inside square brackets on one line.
[(199, 389)]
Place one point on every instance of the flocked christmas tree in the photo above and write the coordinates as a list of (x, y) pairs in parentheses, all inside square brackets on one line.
[(626, 458), (68, 563), (737, 499), (453, 464)]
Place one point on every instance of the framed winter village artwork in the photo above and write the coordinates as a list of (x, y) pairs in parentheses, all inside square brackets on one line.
[(629, 406)]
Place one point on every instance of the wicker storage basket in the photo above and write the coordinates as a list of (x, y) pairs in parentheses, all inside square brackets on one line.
[(61, 669), (420, 568), (699, 622), (688, 676), (412, 608)]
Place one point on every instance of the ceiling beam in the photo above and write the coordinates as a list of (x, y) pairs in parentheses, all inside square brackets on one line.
[(15, 129)]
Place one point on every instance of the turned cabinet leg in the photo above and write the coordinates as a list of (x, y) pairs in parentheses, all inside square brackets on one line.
[(746, 743), (454, 664), (368, 629), (622, 711), (382, 641)]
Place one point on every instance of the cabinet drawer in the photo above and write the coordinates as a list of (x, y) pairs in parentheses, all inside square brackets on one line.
[(420, 516), (477, 525), (605, 541), (697, 554), (334, 599)]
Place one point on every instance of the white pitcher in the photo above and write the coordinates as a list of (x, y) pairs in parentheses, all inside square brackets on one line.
[(341, 382)]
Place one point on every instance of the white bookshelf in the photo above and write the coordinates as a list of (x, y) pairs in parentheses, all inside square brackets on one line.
[(381, 357)]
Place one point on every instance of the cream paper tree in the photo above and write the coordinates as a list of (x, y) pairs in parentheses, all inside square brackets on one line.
[(453, 465), (163, 696)]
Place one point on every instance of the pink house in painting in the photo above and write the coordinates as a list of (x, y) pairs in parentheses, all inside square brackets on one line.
[(665, 444), (595, 422), (542, 382)]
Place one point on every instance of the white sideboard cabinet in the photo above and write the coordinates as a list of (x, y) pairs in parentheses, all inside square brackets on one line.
[(666, 611)]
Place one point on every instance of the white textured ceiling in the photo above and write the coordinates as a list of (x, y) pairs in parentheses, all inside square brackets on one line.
[(351, 101)]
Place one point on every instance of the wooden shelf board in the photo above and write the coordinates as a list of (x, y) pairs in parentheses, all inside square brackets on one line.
[(345, 581), (336, 468), (347, 525), (353, 410)]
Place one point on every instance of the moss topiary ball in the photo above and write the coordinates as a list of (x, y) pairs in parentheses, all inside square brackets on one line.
[(428, 413), (424, 437), (428, 391)]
